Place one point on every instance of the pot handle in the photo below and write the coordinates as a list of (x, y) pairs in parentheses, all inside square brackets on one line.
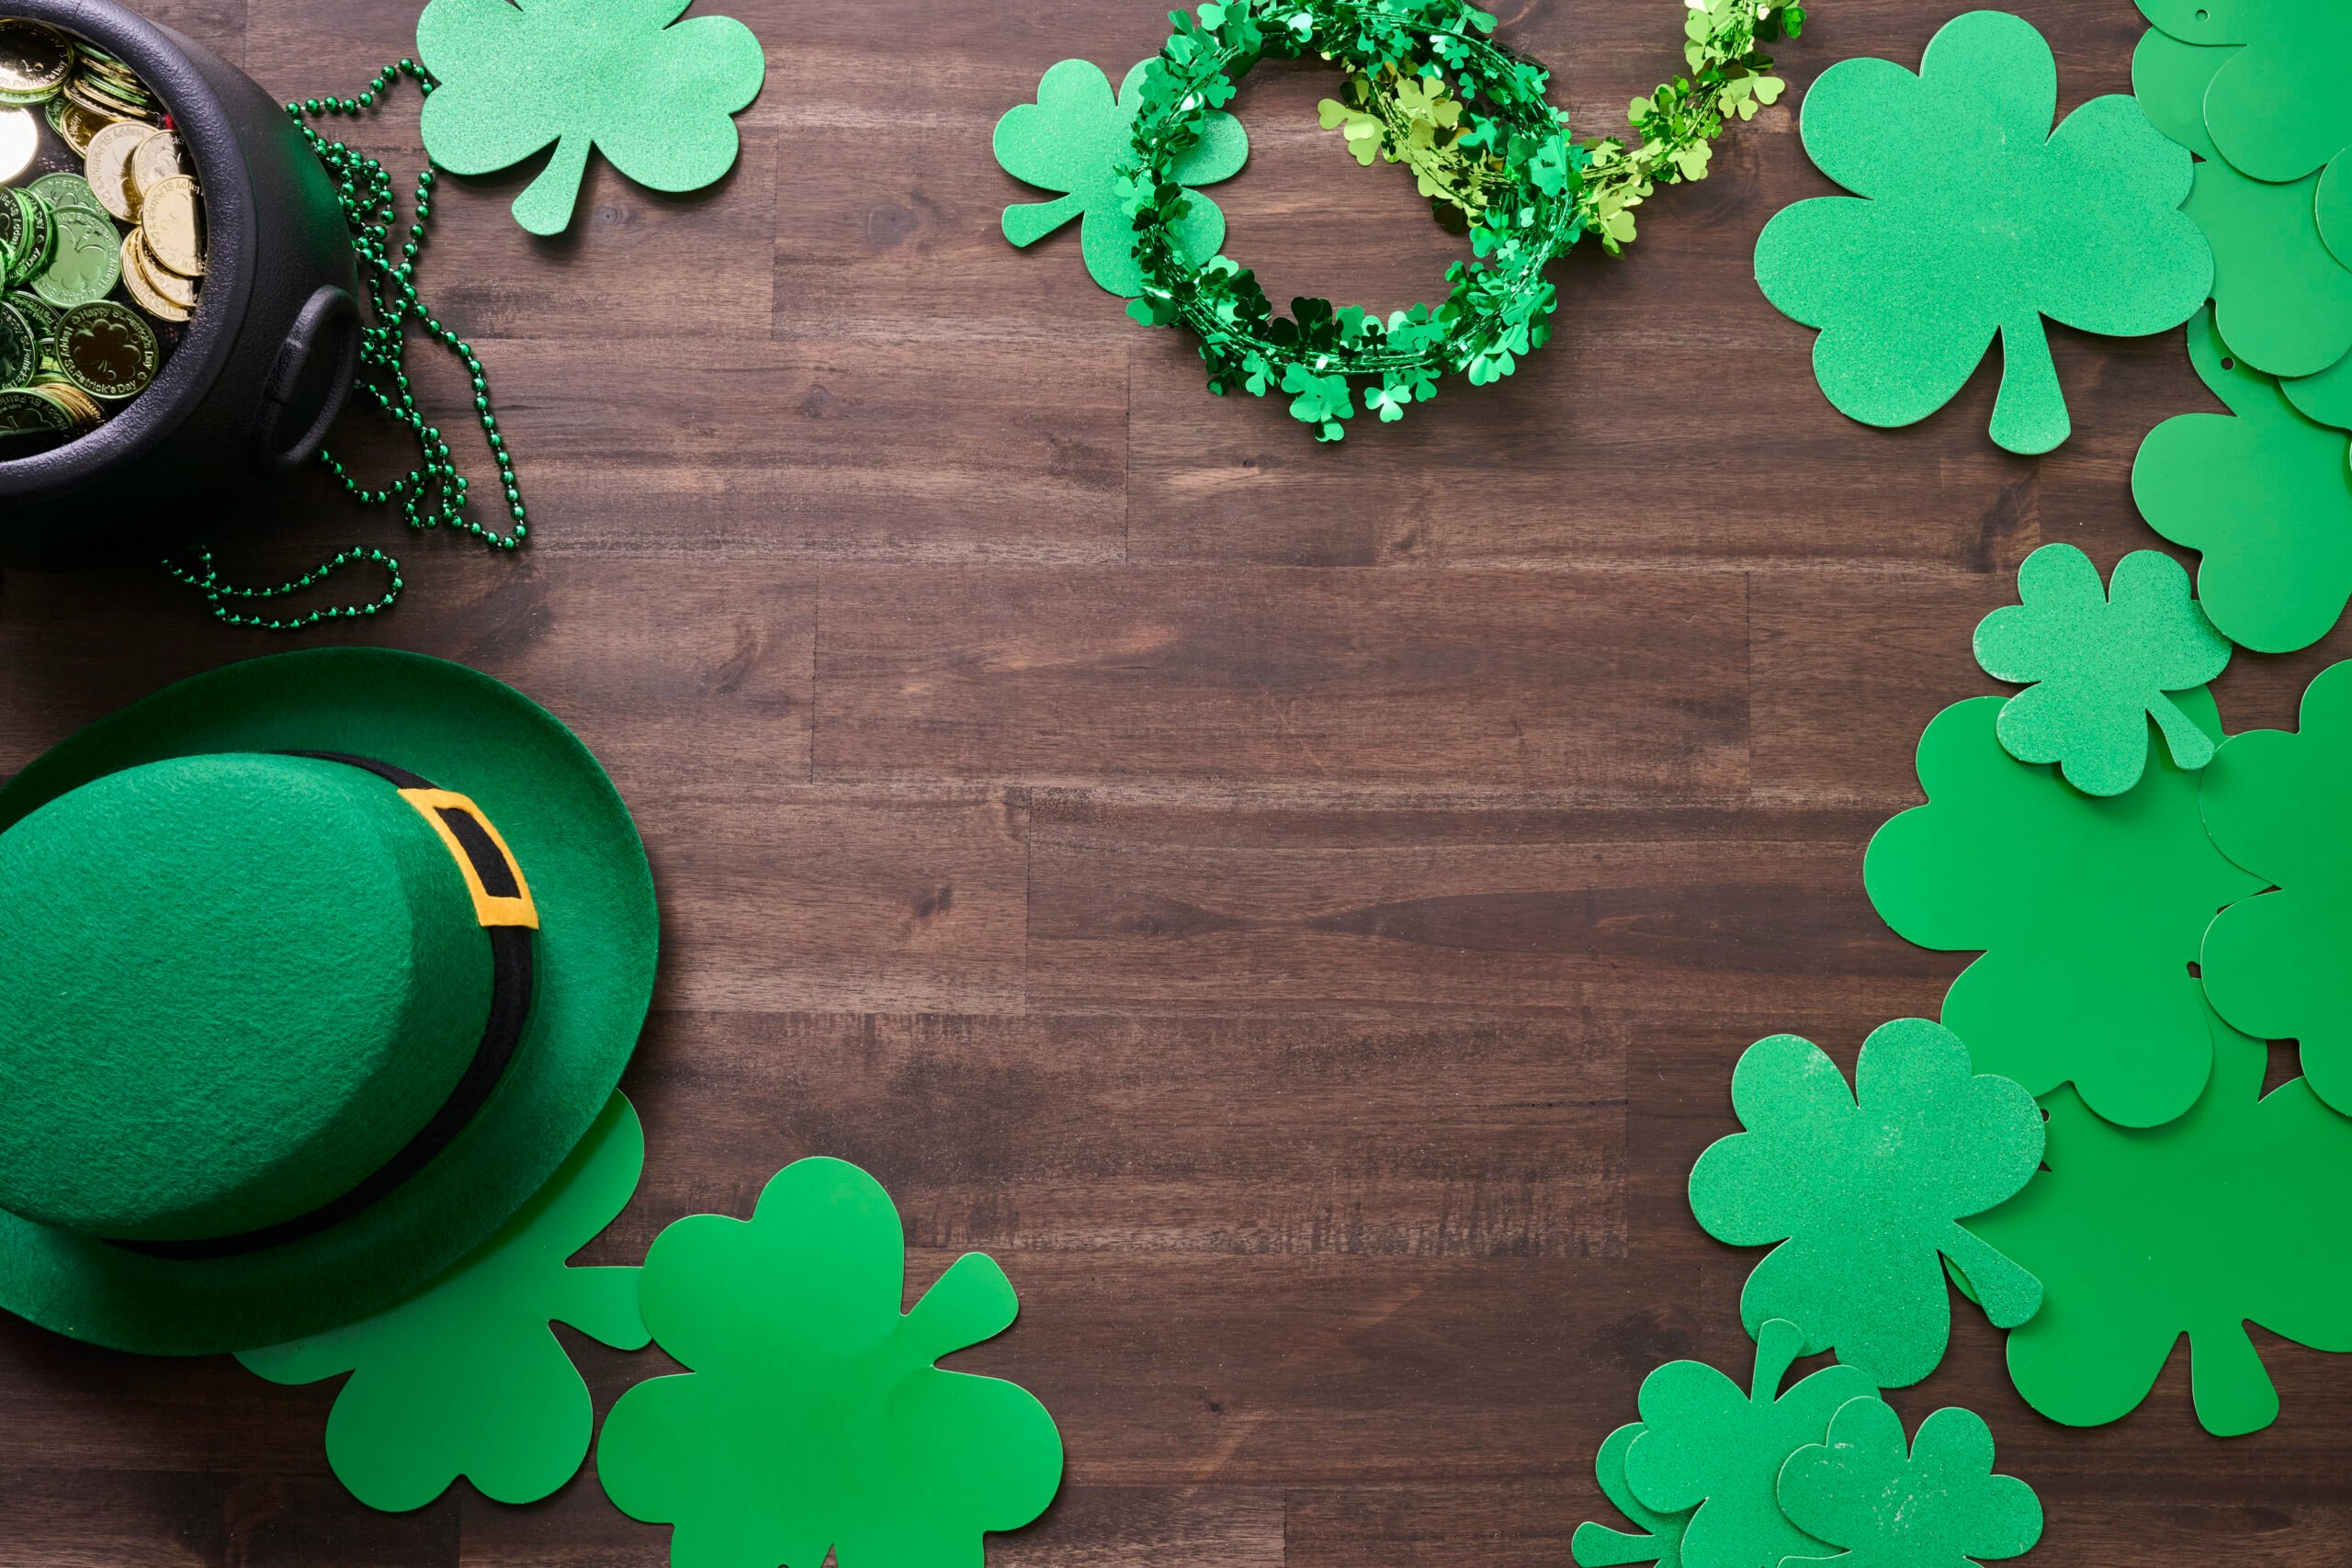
[(308, 385)]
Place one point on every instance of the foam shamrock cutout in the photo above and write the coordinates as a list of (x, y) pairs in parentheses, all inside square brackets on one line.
[(1971, 218), (812, 1418), (2278, 965), (2277, 108), (1598, 1546), (1707, 1445), (2232, 1214), (465, 1378), (2099, 663), (1074, 138), (2090, 910), (1933, 1503), (517, 75), (1864, 1192), (2264, 492)]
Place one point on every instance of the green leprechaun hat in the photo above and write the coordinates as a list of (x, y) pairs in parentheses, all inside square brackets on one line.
[(312, 970)]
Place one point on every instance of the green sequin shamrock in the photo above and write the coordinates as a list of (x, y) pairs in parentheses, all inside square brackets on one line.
[(2279, 966), (2232, 1214), (465, 1378), (517, 75), (2278, 108), (812, 1418), (1709, 1445), (2099, 663), (1074, 137), (1933, 1503), (1598, 1546), (1864, 1192), (2284, 299), (1972, 219), (2264, 492), (2088, 910)]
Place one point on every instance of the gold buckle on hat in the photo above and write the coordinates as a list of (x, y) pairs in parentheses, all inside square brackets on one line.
[(488, 866)]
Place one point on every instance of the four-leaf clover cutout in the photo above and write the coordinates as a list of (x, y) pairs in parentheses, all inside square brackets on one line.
[(517, 75), (2100, 662), (1864, 1191), (465, 1378), (1075, 138), (1970, 220), (1932, 1503), (812, 1419)]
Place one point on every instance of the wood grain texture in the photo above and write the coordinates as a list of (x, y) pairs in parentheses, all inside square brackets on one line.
[(1296, 906)]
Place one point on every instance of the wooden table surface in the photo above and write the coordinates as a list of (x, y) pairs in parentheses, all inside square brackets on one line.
[(1296, 906)]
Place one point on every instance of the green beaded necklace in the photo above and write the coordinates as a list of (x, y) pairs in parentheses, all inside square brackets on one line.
[(433, 493)]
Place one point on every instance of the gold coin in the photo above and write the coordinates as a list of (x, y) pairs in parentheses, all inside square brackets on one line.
[(172, 216), (83, 91), (76, 124), (180, 291), (140, 285), (19, 140), (109, 159), (153, 162), (33, 59)]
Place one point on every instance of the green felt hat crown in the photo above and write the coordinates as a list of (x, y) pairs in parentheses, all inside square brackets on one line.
[(312, 972)]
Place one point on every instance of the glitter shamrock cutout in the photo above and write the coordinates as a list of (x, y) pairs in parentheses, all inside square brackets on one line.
[(2099, 662), (2277, 109), (1598, 1546), (465, 1378), (1707, 1445), (1074, 138), (811, 1418), (1932, 1503), (2276, 964), (2232, 1214), (2264, 492), (1972, 219), (2089, 912), (518, 75), (1863, 1191)]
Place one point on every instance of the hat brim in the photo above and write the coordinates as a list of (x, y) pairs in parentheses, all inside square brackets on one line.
[(594, 963)]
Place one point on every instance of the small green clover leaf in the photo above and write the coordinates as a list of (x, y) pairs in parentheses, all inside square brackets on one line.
[(2232, 1214), (465, 1378), (1972, 219), (2277, 109), (2276, 964), (2264, 492), (1074, 138), (516, 75), (1708, 1445), (812, 1417), (1320, 400), (2088, 910), (1934, 1503), (2099, 664), (1864, 1192), (1598, 1546)]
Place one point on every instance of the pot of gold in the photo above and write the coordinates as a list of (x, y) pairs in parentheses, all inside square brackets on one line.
[(177, 322)]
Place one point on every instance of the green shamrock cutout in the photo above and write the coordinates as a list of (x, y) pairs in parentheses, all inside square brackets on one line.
[(2278, 965), (2090, 910), (1074, 138), (1706, 1445), (2099, 664), (1971, 218), (1598, 1546), (1864, 1192), (1933, 1503), (2278, 108), (465, 1378), (2266, 495), (517, 75), (2232, 1214), (811, 1418)]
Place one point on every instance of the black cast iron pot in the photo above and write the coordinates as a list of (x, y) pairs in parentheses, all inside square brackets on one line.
[(259, 374)]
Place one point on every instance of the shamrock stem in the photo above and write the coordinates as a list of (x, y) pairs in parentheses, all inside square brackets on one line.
[(2233, 1393), (1026, 222), (603, 1305), (2030, 417), (972, 1301), (1778, 1344), (2004, 1290), (545, 205), (2191, 747), (1598, 1546)]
